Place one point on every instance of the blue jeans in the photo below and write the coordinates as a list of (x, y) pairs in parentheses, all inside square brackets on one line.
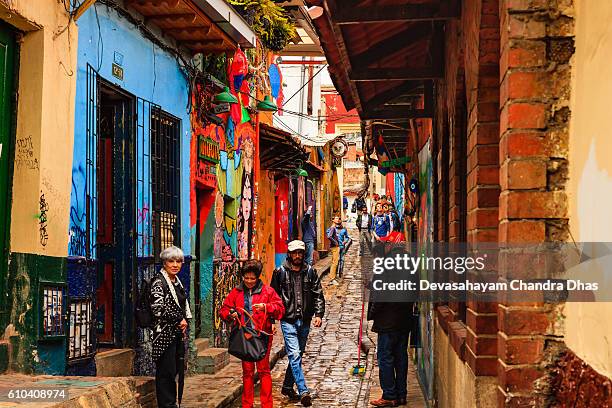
[(392, 354), (308, 255), (295, 336)]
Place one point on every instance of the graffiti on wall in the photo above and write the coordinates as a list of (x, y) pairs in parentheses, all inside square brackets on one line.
[(24, 154), (77, 233), (226, 278), (232, 207), (43, 207)]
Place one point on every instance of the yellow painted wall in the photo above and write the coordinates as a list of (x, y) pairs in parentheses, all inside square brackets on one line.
[(456, 385), (45, 126), (589, 325)]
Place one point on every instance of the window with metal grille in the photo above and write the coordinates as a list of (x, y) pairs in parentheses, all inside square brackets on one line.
[(165, 179), (80, 334), (52, 311)]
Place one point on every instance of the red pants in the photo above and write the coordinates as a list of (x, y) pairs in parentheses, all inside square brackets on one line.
[(265, 379)]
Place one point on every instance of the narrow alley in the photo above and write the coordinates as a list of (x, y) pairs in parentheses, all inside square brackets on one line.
[(170, 168), (332, 350)]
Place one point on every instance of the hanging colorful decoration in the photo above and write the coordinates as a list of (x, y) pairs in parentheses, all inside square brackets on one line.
[(382, 153), (236, 75), (276, 85), (238, 69)]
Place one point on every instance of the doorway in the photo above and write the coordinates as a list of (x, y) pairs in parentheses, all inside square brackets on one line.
[(115, 214), (7, 66)]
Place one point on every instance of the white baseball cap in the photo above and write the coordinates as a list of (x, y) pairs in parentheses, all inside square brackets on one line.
[(296, 245)]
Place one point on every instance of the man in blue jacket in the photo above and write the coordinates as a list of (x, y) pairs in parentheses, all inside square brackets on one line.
[(309, 236)]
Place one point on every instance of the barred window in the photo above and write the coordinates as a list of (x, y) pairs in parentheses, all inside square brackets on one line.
[(80, 335), (165, 179), (52, 311)]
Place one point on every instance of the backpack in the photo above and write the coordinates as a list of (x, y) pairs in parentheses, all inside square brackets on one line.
[(144, 314)]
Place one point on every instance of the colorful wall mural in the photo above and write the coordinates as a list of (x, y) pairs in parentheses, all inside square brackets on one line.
[(223, 198), (425, 355)]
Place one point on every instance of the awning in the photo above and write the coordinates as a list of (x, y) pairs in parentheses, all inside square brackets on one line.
[(194, 25), (384, 56), (278, 150)]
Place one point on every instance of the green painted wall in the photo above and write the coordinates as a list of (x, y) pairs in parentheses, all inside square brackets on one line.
[(28, 273)]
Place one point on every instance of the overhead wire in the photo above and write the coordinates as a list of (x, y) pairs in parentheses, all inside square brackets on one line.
[(307, 82)]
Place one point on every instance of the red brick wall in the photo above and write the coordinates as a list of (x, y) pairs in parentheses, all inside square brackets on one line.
[(537, 43), (482, 49)]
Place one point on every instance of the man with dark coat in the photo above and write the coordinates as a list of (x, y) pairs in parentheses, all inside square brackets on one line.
[(299, 286), (364, 225), (393, 323)]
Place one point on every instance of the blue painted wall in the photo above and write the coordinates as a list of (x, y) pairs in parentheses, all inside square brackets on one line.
[(149, 73)]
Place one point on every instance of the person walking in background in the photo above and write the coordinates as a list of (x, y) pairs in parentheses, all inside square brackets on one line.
[(364, 225), (299, 287), (344, 242), (381, 227), (334, 247), (309, 236), (170, 311), (263, 304), (396, 223), (387, 212)]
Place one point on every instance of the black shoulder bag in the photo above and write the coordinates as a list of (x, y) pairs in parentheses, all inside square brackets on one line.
[(248, 343)]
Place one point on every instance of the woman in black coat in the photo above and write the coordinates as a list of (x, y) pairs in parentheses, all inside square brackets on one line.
[(170, 308)]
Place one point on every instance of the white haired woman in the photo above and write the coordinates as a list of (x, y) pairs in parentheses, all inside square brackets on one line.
[(170, 308)]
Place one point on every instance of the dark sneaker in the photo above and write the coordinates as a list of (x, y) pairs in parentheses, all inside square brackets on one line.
[(401, 402), (306, 399), (290, 394)]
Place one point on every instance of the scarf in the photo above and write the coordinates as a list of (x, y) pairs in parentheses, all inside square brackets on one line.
[(173, 293)]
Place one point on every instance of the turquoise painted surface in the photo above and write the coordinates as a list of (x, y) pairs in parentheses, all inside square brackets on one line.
[(31, 352)]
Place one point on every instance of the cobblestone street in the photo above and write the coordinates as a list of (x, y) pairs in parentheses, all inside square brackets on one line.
[(332, 349)]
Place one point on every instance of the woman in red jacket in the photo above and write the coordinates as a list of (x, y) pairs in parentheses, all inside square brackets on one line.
[(262, 302)]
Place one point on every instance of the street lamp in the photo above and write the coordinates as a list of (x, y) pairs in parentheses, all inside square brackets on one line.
[(267, 105), (225, 97)]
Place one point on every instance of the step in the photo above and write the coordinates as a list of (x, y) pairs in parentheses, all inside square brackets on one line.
[(145, 389), (115, 363), (211, 360), (201, 344)]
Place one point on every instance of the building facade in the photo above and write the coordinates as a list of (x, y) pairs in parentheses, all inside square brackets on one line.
[(39, 44)]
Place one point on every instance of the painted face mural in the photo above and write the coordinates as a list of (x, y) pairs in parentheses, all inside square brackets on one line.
[(247, 199), (247, 151)]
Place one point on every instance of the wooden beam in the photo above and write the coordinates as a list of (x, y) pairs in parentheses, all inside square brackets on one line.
[(395, 74), (444, 10), (311, 50), (155, 3), (83, 8), (187, 17), (396, 113), (204, 30), (343, 50), (383, 97), (206, 43), (391, 44)]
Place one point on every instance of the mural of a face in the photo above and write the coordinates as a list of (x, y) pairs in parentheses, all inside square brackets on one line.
[(247, 151), (247, 199), (219, 207)]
